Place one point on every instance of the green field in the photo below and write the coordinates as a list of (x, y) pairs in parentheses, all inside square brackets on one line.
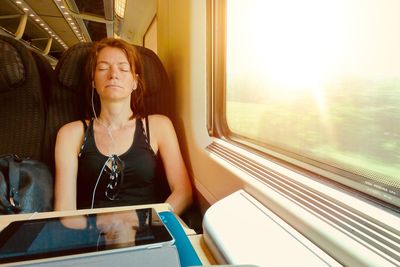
[(362, 145)]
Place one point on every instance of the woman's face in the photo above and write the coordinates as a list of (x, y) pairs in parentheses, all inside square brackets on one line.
[(113, 76)]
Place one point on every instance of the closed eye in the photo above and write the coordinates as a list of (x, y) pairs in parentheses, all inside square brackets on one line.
[(125, 67), (103, 66)]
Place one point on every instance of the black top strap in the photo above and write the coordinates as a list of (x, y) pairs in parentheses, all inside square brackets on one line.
[(147, 129), (86, 129), (85, 126)]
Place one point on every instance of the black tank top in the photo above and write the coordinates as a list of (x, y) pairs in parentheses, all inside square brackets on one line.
[(139, 174)]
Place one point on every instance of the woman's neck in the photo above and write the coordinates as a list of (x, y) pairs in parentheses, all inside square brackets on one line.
[(115, 116)]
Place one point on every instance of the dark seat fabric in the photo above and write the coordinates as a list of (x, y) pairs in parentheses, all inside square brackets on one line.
[(46, 75), (48, 81), (22, 108), (159, 97), (67, 97)]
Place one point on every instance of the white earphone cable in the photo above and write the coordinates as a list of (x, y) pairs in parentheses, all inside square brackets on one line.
[(97, 182)]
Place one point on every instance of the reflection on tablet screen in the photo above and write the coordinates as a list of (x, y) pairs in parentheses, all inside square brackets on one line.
[(42, 238)]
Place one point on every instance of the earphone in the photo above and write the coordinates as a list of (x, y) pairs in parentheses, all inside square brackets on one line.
[(94, 111)]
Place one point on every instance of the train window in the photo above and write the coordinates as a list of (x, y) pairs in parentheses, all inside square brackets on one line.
[(314, 82)]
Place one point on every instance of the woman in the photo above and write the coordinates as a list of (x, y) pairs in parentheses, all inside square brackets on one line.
[(111, 159)]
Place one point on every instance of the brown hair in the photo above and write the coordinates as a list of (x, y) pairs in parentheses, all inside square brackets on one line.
[(137, 96)]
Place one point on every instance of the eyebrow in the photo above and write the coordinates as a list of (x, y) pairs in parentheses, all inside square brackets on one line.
[(108, 63)]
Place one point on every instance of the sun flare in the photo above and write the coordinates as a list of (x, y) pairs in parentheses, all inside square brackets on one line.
[(304, 45)]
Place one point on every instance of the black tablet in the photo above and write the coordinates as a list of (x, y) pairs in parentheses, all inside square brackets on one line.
[(72, 235)]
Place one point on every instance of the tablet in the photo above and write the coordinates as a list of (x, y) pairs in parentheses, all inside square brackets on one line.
[(75, 235)]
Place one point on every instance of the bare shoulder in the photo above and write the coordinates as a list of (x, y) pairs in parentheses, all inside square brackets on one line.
[(158, 121), (161, 130), (162, 133), (71, 130)]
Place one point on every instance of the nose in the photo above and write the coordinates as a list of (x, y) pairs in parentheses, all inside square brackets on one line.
[(114, 72)]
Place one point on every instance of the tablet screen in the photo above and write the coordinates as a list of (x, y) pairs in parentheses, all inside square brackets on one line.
[(60, 236)]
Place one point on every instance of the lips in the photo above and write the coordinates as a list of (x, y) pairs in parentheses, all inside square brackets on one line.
[(113, 85)]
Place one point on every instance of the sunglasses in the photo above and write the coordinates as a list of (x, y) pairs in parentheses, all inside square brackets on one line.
[(116, 176)]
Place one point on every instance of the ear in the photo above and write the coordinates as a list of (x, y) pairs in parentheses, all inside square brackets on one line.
[(93, 84)]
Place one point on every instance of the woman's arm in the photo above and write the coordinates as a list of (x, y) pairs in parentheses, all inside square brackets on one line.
[(163, 134), (69, 140)]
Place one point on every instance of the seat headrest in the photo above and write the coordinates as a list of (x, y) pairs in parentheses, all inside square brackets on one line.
[(12, 69), (155, 76), (70, 70)]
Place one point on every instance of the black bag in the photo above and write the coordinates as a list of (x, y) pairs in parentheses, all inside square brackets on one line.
[(26, 185)]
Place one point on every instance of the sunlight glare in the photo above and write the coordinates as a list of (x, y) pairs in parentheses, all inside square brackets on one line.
[(303, 45)]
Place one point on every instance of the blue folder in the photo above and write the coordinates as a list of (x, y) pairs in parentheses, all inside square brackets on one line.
[(187, 254)]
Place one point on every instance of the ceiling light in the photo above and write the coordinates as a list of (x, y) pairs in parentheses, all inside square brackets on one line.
[(63, 7), (25, 7)]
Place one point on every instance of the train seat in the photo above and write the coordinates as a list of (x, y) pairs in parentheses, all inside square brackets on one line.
[(22, 108), (67, 98), (47, 76), (159, 97)]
